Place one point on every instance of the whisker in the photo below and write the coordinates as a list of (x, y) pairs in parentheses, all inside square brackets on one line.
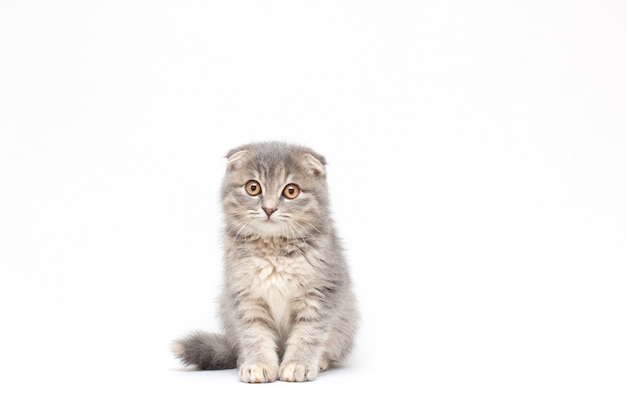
[(309, 224), (239, 231), (297, 232)]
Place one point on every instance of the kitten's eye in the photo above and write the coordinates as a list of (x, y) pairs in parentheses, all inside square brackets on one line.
[(291, 191), (253, 187)]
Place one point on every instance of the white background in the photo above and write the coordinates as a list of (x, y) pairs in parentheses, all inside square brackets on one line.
[(477, 169)]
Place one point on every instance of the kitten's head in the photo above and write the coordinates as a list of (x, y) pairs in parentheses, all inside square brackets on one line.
[(275, 190)]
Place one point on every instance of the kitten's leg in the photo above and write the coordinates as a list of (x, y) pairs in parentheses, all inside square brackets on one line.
[(324, 362), (258, 357), (303, 358)]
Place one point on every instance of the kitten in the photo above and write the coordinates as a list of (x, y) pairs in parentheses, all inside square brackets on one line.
[(287, 305)]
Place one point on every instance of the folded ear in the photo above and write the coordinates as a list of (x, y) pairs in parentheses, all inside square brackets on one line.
[(236, 158), (314, 164)]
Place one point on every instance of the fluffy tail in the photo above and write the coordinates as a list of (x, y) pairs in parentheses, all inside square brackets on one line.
[(206, 351)]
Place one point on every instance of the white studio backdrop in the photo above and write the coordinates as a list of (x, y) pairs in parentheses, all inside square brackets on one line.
[(477, 170)]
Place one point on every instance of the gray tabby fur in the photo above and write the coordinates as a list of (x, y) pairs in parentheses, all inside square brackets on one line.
[(287, 304)]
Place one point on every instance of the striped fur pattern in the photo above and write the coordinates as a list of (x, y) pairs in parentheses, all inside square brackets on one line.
[(287, 305)]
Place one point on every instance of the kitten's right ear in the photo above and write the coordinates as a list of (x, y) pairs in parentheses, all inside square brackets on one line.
[(314, 164), (236, 158)]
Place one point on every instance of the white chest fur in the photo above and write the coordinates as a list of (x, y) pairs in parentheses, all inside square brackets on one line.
[(280, 281)]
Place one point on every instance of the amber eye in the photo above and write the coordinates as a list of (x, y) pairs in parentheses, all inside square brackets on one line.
[(291, 191), (253, 187)]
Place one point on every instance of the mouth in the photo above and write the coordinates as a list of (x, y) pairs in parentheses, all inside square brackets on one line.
[(269, 226), (268, 222)]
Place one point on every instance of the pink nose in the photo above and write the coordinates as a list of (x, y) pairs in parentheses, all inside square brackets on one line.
[(269, 211)]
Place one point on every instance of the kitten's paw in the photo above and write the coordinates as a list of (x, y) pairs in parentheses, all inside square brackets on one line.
[(324, 363), (298, 372), (258, 373)]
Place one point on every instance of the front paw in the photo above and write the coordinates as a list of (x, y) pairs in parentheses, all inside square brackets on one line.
[(298, 372), (258, 372)]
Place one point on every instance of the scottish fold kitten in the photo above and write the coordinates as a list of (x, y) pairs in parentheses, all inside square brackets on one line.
[(287, 305)]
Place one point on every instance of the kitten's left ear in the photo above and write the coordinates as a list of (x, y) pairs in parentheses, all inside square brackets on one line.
[(236, 158), (314, 164)]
